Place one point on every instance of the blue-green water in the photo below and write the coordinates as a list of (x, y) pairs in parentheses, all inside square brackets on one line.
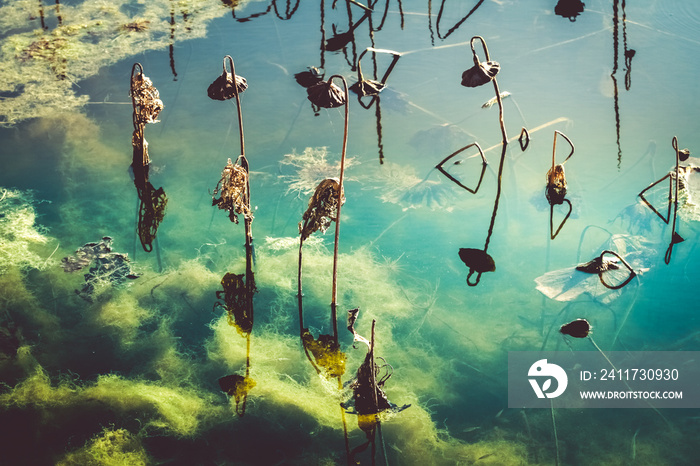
[(130, 373)]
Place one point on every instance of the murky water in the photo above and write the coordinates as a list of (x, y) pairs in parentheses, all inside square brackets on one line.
[(127, 369)]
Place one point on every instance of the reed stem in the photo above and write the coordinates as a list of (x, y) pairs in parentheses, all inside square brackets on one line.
[(334, 292)]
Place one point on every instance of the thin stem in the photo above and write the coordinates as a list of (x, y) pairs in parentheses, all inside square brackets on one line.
[(373, 379), (556, 436), (238, 102), (500, 111), (495, 84), (299, 293), (345, 425), (244, 161), (334, 293), (554, 151), (601, 352), (667, 256)]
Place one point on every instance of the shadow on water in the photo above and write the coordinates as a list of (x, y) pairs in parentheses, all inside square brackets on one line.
[(628, 54), (372, 87), (438, 20)]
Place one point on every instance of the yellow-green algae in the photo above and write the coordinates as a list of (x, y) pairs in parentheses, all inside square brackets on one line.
[(39, 67), (20, 238), (179, 411), (123, 316), (113, 447), (173, 393)]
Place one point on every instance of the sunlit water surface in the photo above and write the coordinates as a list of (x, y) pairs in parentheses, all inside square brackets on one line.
[(129, 373)]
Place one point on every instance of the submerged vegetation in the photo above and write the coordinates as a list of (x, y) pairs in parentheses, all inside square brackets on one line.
[(20, 237), (125, 362), (39, 66)]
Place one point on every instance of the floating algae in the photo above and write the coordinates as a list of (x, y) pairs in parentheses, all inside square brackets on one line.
[(124, 317), (170, 409), (281, 378), (237, 387), (328, 359), (19, 236), (39, 67), (400, 185), (312, 167), (112, 447), (110, 268)]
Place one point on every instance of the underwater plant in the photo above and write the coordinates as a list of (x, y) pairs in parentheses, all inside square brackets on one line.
[(41, 66), (312, 167), (237, 299), (237, 386), (112, 447), (19, 235), (233, 190)]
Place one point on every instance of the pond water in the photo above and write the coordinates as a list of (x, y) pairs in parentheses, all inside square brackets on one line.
[(126, 362)]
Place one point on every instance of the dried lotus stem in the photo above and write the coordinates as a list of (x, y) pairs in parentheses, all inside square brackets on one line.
[(328, 197), (232, 189), (323, 209), (556, 179), (556, 184), (139, 145), (144, 97), (147, 106), (483, 72)]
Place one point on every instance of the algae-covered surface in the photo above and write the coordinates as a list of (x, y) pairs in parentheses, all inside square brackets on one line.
[(190, 352)]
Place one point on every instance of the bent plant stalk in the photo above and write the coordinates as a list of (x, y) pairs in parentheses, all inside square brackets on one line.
[(556, 186), (495, 86), (247, 219), (675, 238), (334, 289), (672, 196), (244, 163), (334, 293)]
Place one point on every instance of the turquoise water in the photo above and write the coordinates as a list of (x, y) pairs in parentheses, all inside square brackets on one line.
[(130, 371)]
